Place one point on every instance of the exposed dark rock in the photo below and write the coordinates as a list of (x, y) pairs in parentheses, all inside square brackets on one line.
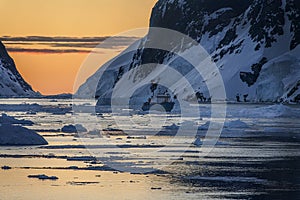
[(251, 77), (8, 63)]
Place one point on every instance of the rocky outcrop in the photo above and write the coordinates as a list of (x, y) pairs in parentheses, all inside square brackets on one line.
[(11, 83)]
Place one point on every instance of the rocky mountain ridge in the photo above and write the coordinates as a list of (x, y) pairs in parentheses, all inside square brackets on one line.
[(254, 44)]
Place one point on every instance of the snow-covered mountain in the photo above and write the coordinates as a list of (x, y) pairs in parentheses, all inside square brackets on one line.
[(254, 44), (11, 82)]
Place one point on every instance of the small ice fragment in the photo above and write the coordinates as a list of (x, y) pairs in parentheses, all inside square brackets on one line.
[(198, 142), (5, 167), (43, 177)]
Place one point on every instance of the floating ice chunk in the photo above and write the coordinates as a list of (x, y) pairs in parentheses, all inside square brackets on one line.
[(31, 113), (17, 135), (172, 127), (78, 128), (43, 177), (113, 131), (137, 137), (156, 188), (69, 129), (204, 126), (235, 124), (198, 142), (5, 167), (82, 182), (228, 124), (5, 119), (211, 125), (94, 132)]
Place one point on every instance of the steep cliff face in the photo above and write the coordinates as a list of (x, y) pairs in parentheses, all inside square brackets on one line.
[(254, 44), (11, 83)]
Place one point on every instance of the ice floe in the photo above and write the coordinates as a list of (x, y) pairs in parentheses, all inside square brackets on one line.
[(198, 142), (18, 135), (5, 167), (43, 177), (13, 134), (235, 124), (78, 128), (5, 119)]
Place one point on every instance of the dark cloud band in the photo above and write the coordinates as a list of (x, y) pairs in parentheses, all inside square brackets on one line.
[(48, 51), (61, 39), (59, 44)]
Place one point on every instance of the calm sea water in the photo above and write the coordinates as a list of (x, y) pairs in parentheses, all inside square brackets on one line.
[(257, 161)]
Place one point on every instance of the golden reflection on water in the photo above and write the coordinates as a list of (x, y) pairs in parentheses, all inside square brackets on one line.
[(76, 184)]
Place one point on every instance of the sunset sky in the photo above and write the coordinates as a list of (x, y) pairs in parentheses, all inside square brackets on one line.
[(64, 31)]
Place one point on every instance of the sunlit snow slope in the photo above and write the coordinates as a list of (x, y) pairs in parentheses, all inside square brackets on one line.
[(254, 44)]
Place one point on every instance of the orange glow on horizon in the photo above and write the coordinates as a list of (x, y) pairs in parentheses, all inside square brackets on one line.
[(49, 73), (55, 73)]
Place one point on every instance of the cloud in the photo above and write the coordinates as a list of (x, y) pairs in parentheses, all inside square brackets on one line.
[(72, 40), (52, 39), (59, 44), (49, 51)]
